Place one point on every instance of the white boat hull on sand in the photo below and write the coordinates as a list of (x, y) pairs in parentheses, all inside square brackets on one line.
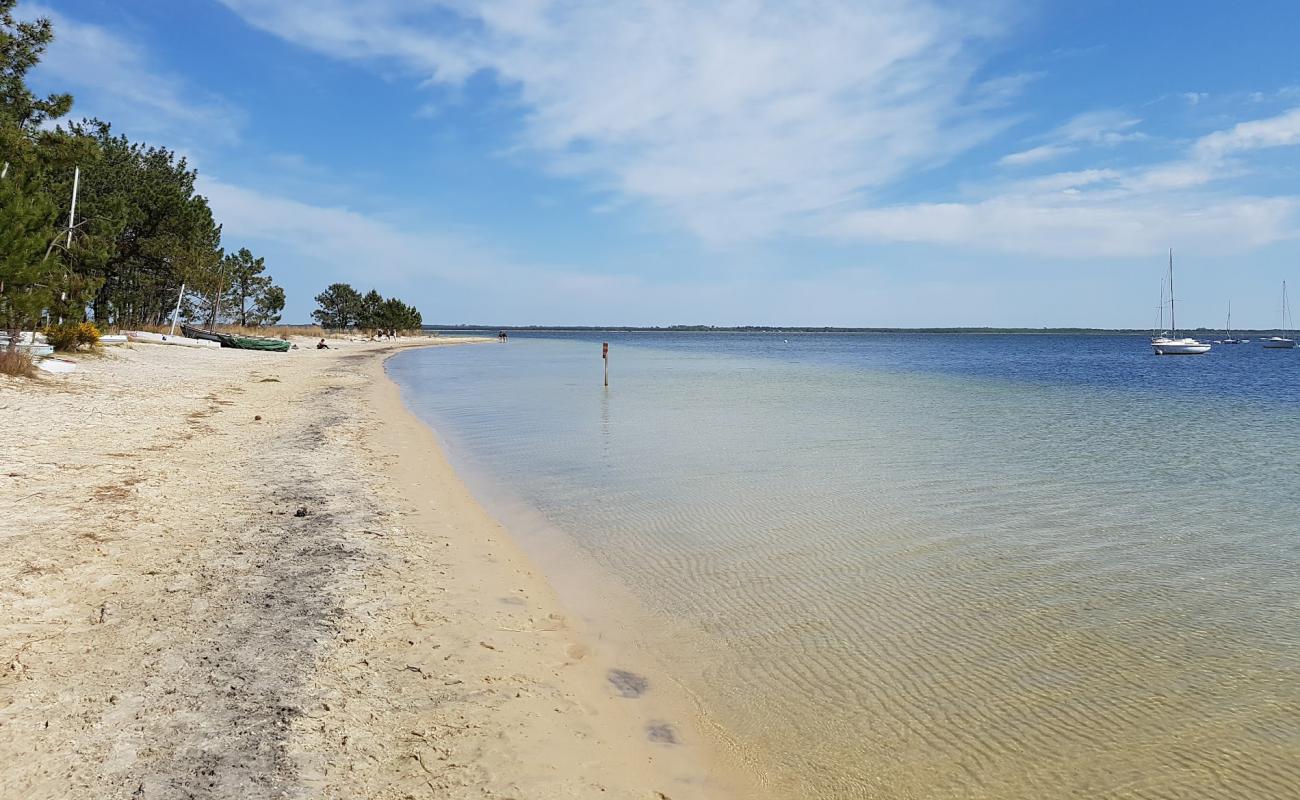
[(113, 338), (1179, 347), (57, 365), (145, 337), (34, 350)]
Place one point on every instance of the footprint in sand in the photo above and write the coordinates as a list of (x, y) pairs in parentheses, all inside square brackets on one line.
[(661, 733), (628, 684)]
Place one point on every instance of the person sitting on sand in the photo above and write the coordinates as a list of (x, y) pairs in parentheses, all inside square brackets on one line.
[(321, 345)]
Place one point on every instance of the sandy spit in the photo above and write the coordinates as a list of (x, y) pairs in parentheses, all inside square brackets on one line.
[(230, 574)]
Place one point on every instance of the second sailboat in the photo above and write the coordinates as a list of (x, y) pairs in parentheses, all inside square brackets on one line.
[(1172, 345)]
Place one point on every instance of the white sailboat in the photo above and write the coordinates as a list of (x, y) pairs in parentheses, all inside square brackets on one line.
[(1173, 345), (1282, 342), (1228, 329)]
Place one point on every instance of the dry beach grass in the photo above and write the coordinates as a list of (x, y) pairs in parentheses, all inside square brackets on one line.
[(16, 363), (246, 575)]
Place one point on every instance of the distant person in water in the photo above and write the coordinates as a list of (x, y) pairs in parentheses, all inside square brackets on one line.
[(321, 345)]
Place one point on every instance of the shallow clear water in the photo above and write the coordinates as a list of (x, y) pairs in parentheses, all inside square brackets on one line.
[(928, 566)]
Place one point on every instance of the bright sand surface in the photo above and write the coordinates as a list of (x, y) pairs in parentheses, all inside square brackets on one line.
[(172, 625)]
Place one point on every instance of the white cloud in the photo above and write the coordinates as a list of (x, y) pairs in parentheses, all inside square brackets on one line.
[(1064, 181), (341, 244), (339, 239), (752, 118), (1280, 131), (1099, 127), (1081, 227), (1092, 128), (327, 244), (1175, 175), (1035, 155), (112, 76), (737, 119), (1109, 212)]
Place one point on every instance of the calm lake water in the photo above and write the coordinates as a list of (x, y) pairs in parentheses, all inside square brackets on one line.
[(926, 566)]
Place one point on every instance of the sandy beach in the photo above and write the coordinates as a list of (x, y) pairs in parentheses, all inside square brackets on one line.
[(230, 574)]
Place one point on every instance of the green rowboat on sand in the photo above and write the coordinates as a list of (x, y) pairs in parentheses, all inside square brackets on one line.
[(238, 342), (254, 343)]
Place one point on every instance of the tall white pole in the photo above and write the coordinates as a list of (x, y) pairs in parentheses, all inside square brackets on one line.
[(176, 314), (72, 222), (72, 214)]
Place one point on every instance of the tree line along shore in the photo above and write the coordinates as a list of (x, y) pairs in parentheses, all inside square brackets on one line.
[(97, 229)]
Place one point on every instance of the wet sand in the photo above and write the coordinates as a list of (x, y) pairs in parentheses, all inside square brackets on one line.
[(244, 575)]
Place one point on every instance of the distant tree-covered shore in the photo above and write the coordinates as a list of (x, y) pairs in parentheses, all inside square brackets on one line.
[(802, 329)]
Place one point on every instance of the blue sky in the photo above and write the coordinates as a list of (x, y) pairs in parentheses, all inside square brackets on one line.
[(868, 162)]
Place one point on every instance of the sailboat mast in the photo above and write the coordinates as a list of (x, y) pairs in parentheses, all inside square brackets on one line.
[(177, 313), (1161, 323), (1284, 308), (1173, 318)]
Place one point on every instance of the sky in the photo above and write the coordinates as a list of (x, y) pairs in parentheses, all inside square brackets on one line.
[(655, 162)]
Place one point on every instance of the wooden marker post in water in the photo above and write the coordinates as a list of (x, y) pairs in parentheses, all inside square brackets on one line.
[(604, 354)]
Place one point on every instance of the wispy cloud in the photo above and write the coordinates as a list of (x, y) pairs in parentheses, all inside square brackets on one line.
[(112, 76), (1093, 128), (753, 118), (1082, 227), (1100, 127), (737, 119), (1109, 212), (488, 286), (1035, 155), (1280, 131), (339, 239), (342, 243)]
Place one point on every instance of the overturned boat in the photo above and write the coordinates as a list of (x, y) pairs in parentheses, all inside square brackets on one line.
[(237, 341), (148, 337)]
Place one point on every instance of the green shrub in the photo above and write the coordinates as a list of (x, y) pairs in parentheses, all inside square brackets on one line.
[(65, 336), (68, 336), (87, 334)]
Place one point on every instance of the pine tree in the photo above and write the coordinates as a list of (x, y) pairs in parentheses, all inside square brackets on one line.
[(270, 305), (339, 307), (372, 307), (243, 275), (21, 46), (26, 230)]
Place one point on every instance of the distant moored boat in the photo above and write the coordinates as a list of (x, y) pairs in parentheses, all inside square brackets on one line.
[(1173, 345), (1282, 342), (1228, 330)]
